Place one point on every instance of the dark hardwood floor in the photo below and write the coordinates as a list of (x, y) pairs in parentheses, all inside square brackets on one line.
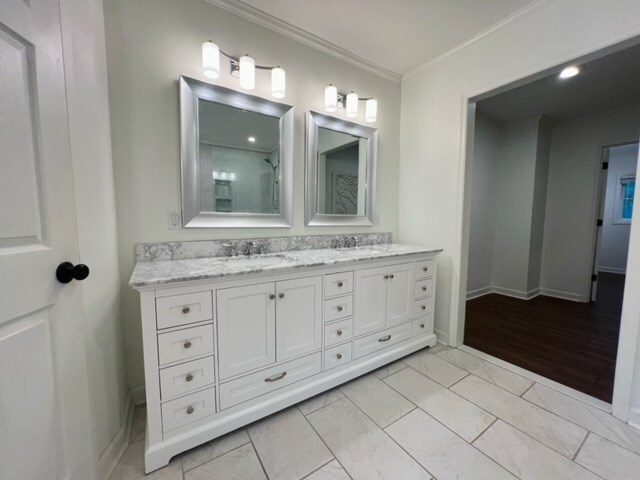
[(572, 343)]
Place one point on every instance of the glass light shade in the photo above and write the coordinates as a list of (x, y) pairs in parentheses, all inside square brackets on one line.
[(247, 72), (352, 105), (223, 176), (570, 71), (232, 176), (215, 174), (210, 60), (371, 110), (278, 80), (330, 99)]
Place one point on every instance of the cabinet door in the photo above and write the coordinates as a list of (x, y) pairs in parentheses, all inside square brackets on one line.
[(246, 328), (400, 294), (298, 317), (370, 300)]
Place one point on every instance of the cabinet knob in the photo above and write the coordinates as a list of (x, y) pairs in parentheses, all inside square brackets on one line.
[(422, 325), (281, 295), (386, 277), (339, 332), (424, 289), (340, 284), (339, 356), (185, 310), (189, 410), (187, 344), (391, 276), (425, 269), (423, 307), (188, 378), (272, 296), (339, 308)]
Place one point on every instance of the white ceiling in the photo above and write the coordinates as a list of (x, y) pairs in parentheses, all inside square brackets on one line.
[(398, 35), (609, 82)]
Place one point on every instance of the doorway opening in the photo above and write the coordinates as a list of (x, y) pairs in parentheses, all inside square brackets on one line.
[(549, 226)]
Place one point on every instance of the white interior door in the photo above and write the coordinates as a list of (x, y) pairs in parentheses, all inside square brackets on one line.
[(45, 423)]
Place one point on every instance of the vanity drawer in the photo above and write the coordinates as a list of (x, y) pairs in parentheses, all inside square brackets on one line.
[(185, 344), (377, 341), (268, 380), (423, 288), (186, 377), (424, 269), (337, 332), (182, 309), (338, 308), (338, 284), (423, 325), (422, 307), (336, 356), (181, 411)]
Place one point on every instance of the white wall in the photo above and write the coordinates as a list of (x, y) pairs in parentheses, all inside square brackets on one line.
[(433, 125), (614, 247), (88, 109), (574, 171), (149, 44)]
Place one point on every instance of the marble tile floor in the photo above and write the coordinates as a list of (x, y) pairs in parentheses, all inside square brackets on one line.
[(439, 414)]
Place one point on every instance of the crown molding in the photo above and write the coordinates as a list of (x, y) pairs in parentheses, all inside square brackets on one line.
[(272, 23), (487, 31)]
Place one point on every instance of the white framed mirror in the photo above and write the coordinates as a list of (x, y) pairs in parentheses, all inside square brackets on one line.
[(236, 158), (341, 163)]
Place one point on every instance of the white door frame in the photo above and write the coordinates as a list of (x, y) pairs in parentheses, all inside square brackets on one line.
[(629, 339)]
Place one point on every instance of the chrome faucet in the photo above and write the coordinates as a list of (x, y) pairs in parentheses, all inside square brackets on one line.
[(233, 251), (351, 242), (250, 247), (337, 242)]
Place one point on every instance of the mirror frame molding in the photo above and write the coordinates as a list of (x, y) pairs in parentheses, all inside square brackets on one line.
[(312, 218), (191, 91)]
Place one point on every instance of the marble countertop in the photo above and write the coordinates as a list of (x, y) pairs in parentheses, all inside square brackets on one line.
[(148, 274)]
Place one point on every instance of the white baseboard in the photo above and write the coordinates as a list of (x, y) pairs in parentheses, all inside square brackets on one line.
[(574, 297), (634, 417), (479, 292), (621, 271), (138, 395), (442, 336), (114, 451)]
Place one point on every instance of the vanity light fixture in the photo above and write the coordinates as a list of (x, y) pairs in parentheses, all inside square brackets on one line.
[(251, 139), (570, 71), (245, 67), (334, 100)]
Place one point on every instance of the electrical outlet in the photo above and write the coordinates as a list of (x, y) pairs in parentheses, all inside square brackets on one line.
[(174, 222)]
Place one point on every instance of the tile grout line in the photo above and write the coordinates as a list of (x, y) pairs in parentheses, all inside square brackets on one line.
[(325, 443), (495, 419), (255, 450), (319, 468), (584, 440), (525, 392), (215, 458), (325, 405)]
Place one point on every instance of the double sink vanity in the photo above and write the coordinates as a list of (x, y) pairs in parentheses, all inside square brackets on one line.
[(229, 340)]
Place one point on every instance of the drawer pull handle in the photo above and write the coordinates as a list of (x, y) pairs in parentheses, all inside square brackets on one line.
[(339, 332), (187, 344), (423, 307), (422, 325), (424, 289), (340, 284), (339, 308), (275, 378), (185, 310), (425, 269), (281, 295), (385, 339), (272, 296), (339, 356), (189, 410), (386, 277), (391, 276), (188, 378)]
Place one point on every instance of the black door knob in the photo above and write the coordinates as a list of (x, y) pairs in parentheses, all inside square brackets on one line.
[(67, 271)]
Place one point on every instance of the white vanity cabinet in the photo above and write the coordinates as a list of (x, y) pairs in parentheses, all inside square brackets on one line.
[(223, 352)]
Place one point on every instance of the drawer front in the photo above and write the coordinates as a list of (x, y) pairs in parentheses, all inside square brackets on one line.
[(423, 325), (423, 288), (182, 309), (340, 307), (424, 269), (185, 344), (422, 308), (186, 377), (337, 356), (268, 380), (338, 284), (182, 411), (377, 341), (338, 332)]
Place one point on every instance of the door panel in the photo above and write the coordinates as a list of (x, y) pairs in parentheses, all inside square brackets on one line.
[(246, 328), (299, 317), (400, 294), (370, 300), (45, 427)]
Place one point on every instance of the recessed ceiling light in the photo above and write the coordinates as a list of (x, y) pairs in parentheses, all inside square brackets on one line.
[(570, 71), (251, 139)]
